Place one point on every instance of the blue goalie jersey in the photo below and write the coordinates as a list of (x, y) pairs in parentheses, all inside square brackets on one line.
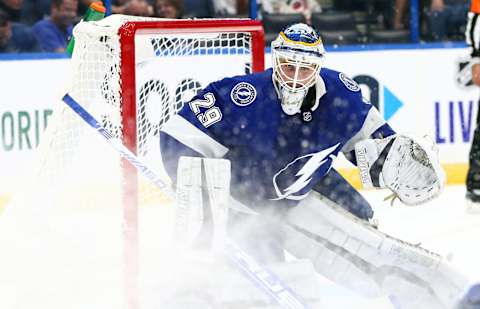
[(273, 156)]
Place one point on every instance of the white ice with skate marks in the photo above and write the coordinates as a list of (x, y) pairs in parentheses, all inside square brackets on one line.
[(74, 260)]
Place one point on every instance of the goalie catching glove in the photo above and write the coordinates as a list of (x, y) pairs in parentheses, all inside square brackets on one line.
[(406, 165)]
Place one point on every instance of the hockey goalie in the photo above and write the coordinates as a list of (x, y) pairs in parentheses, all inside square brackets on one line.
[(282, 129)]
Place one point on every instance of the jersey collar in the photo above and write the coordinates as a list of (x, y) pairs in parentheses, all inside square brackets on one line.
[(320, 91)]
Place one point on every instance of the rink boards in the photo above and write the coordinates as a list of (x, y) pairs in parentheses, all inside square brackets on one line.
[(413, 88)]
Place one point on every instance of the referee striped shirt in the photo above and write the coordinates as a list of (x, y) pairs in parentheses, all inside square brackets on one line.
[(472, 32)]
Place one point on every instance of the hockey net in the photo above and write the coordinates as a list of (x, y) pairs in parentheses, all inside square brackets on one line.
[(131, 74)]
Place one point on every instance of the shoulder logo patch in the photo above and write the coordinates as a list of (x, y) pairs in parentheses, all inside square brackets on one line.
[(243, 94), (349, 83)]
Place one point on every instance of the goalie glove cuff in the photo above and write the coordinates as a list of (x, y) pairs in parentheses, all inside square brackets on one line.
[(371, 155)]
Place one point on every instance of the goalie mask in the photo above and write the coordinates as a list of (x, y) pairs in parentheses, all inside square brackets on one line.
[(298, 56)]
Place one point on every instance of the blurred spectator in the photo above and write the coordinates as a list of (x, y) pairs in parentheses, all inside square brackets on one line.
[(13, 8), (305, 7), (82, 5), (197, 8), (230, 8), (399, 14), (446, 17), (35, 10), (348, 5), (326, 4), (137, 8), (54, 31), (381, 13), (168, 8), (16, 37)]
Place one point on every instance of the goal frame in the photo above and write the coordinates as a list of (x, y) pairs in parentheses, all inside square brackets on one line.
[(130, 192)]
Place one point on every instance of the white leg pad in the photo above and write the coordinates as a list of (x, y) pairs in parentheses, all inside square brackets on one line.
[(188, 214), (217, 174), (353, 253), (203, 190)]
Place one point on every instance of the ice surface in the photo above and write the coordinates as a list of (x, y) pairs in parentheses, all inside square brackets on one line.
[(74, 261)]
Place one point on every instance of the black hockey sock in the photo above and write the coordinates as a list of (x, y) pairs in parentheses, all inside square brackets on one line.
[(473, 175)]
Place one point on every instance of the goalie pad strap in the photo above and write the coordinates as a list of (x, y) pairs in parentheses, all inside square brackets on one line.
[(203, 190)]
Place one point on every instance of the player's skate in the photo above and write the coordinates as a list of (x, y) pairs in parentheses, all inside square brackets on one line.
[(471, 300)]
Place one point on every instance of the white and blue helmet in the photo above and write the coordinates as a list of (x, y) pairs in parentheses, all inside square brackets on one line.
[(298, 55)]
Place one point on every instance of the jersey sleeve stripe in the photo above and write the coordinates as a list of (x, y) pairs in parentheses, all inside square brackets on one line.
[(186, 133)]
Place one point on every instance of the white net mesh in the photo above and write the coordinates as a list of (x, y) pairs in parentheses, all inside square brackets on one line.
[(63, 236)]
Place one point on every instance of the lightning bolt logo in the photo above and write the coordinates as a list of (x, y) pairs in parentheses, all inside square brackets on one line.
[(305, 173)]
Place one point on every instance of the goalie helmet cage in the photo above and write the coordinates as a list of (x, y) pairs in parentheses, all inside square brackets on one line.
[(126, 67)]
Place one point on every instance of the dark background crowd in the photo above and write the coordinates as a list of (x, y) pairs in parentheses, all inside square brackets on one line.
[(46, 25)]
